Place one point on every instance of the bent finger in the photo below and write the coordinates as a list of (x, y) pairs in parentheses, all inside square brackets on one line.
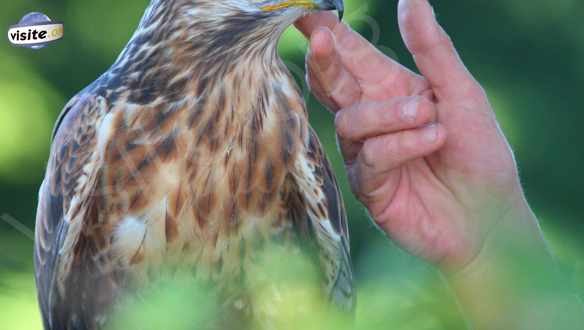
[(387, 152), (371, 119), (331, 83)]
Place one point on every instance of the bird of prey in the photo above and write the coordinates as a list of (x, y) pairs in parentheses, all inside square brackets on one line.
[(191, 148)]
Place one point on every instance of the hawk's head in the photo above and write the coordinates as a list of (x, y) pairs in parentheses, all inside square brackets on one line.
[(223, 18), (211, 35)]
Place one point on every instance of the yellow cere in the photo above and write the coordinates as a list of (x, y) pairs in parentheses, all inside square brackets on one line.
[(288, 4)]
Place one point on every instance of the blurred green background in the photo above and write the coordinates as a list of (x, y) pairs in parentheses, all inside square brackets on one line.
[(529, 55)]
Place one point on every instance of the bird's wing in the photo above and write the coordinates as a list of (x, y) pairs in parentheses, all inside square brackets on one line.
[(319, 211), (66, 207)]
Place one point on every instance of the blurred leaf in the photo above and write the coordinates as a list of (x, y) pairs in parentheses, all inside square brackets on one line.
[(26, 104)]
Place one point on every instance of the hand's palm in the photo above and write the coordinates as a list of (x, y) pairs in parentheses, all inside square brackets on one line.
[(419, 189)]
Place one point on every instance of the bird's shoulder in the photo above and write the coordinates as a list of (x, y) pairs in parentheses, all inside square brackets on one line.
[(77, 135), (67, 198)]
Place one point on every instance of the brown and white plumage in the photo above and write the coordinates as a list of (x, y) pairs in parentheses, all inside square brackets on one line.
[(191, 148)]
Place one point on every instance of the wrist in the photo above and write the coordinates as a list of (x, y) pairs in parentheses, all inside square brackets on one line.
[(513, 282), (489, 222), (516, 229), (511, 241)]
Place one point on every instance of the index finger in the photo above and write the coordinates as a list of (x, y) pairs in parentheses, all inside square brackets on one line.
[(330, 82), (375, 71)]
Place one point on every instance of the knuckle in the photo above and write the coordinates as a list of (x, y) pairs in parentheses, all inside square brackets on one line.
[(426, 112), (478, 93), (372, 113), (311, 79), (355, 180), (445, 40), (369, 153), (409, 109), (473, 91), (406, 143), (341, 124)]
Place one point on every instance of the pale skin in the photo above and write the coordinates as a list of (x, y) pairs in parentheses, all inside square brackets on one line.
[(424, 153)]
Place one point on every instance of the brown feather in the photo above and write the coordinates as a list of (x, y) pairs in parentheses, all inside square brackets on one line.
[(195, 149)]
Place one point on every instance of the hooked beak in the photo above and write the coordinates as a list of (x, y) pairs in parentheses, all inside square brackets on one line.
[(337, 5)]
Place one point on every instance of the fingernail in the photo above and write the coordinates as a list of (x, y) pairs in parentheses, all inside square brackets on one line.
[(410, 110), (430, 133)]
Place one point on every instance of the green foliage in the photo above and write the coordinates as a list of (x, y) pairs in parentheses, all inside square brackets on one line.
[(528, 55), (172, 303)]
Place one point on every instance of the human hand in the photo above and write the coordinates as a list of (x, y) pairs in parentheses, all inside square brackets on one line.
[(426, 156), (424, 153)]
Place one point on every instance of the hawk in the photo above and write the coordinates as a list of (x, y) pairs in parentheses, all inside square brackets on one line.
[(194, 146)]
